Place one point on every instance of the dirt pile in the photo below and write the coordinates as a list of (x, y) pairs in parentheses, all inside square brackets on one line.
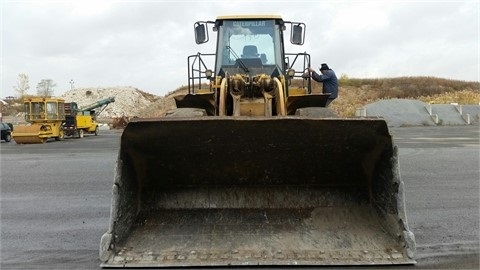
[(162, 105), (132, 102), (129, 101)]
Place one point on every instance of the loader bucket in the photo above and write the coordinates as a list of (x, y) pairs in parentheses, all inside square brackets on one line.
[(217, 191)]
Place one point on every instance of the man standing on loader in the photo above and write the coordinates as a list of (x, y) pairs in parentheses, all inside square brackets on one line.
[(329, 80)]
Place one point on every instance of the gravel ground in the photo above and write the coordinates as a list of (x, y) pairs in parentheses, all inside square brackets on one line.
[(405, 112), (55, 199)]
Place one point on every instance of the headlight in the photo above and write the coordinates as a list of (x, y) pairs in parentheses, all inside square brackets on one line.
[(208, 73)]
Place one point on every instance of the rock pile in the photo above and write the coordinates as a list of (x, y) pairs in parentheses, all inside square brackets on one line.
[(407, 112), (129, 101)]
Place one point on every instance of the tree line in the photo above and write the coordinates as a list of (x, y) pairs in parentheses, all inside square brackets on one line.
[(45, 88)]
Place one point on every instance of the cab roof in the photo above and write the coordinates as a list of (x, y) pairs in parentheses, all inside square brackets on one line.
[(249, 17)]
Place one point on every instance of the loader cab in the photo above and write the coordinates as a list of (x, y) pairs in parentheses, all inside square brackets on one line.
[(39, 109), (242, 42), (252, 74), (251, 44)]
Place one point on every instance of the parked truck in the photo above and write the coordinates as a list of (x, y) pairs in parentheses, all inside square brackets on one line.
[(80, 121)]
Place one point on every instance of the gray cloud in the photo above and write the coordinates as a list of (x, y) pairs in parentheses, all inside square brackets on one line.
[(146, 44)]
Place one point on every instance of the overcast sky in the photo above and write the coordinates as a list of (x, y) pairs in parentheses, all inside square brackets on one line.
[(145, 44)]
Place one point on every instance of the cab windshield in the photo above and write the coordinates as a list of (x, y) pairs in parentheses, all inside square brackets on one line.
[(251, 41)]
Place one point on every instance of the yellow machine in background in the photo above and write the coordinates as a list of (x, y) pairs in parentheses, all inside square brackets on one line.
[(45, 117), (79, 121), (86, 123)]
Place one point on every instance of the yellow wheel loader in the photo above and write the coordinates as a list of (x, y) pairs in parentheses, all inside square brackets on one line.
[(45, 117), (251, 170)]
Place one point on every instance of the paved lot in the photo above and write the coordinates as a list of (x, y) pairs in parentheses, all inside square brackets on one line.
[(55, 198)]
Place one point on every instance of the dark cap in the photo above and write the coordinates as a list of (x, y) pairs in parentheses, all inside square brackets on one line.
[(324, 67)]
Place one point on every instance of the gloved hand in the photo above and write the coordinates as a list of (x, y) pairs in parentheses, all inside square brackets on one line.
[(306, 73)]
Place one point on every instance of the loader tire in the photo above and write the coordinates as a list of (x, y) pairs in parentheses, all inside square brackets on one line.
[(61, 136)]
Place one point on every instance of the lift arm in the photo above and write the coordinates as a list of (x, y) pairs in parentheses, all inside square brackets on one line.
[(99, 104)]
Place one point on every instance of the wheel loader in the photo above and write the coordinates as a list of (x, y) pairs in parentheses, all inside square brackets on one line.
[(253, 169), (45, 117)]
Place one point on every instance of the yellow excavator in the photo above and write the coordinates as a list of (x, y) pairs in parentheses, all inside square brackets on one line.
[(44, 117), (251, 170)]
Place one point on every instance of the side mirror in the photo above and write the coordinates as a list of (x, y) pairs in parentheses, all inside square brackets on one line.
[(297, 36), (201, 33)]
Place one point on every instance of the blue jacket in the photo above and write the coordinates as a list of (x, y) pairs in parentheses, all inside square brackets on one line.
[(330, 82)]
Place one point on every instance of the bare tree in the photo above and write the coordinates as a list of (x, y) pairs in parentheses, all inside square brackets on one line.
[(45, 88), (23, 85)]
